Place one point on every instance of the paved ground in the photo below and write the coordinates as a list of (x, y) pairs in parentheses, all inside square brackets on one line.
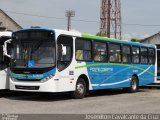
[(115, 101)]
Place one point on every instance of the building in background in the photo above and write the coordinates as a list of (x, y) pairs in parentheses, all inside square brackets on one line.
[(154, 39), (7, 23)]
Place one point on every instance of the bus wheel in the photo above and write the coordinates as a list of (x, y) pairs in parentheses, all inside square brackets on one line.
[(134, 85), (80, 91)]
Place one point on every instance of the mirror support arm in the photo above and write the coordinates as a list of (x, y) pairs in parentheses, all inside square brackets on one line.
[(5, 53)]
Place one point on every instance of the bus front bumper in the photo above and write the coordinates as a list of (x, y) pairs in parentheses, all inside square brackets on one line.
[(51, 85), (48, 86)]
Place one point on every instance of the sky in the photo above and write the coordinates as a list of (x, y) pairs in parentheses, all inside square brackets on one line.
[(52, 15)]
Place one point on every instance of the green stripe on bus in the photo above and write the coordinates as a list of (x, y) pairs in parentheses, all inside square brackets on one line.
[(18, 74), (101, 38)]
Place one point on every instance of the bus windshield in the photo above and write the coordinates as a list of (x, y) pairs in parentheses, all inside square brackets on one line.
[(33, 50)]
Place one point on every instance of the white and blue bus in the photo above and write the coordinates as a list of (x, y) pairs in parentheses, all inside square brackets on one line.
[(4, 61), (45, 60)]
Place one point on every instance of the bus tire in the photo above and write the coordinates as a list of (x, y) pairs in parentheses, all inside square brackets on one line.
[(80, 90), (133, 85)]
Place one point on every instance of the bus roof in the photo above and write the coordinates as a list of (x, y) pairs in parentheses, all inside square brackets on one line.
[(57, 31)]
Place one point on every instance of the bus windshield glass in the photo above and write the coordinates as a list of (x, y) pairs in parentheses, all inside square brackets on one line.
[(33, 49)]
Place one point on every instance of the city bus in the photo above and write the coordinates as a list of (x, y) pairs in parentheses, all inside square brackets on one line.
[(46, 60), (4, 61)]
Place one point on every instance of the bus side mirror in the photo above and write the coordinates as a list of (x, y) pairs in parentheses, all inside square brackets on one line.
[(5, 52), (64, 50)]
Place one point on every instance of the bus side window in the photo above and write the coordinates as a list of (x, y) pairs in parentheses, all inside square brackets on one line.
[(144, 55), (114, 53), (151, 56), (100, 51), (83, 50), (126, 54), (135, 54)]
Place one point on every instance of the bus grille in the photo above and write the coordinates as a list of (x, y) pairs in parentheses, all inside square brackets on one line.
[(28, 79), (27, 87)]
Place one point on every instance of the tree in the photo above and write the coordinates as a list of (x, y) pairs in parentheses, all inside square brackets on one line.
[(135, 40), (102, 35), (35, 27)]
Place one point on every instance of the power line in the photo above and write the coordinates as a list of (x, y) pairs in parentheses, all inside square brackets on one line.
[(80, 20), (145, 25), (35, 15), (49, 17)]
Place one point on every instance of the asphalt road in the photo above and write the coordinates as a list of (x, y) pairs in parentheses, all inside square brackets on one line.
[(101, 102)]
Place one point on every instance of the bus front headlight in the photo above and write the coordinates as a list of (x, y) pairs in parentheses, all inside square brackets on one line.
[(48, 78)]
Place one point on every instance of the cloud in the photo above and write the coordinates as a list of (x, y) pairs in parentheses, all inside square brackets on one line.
[(126, 36), (145, 36)]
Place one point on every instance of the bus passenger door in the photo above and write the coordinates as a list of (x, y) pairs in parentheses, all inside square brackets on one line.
[(64, 60)]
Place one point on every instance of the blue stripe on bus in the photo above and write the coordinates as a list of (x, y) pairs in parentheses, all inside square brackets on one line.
[(33, 76)]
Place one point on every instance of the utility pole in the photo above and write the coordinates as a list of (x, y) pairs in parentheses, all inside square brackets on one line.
[(69, 14), (110, 18)]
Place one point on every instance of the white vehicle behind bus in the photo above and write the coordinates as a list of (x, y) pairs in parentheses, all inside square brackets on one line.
[(4, 61)]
